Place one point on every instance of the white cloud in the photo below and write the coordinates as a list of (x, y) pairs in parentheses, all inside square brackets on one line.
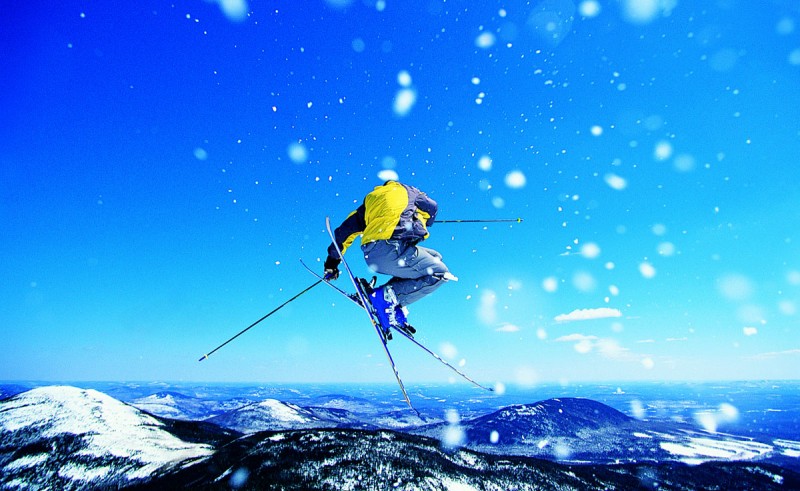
[(775, 354), (606, 347), (610, 348), (507, 327), (588, 314), (574, 338)]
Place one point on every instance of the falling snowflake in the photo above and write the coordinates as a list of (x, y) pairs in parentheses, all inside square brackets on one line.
[(647, 270), (590, 250), (388, 175), (515, 179), (234, 10), (616, 182), (550, 284), (589, 8), (485, 40), (297, 153), (404, 100)]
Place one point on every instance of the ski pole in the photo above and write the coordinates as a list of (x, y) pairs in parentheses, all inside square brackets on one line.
[(516, 220), (256, 322)]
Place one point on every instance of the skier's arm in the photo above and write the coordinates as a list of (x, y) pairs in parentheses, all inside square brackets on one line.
[(428, 206), (347, 232)]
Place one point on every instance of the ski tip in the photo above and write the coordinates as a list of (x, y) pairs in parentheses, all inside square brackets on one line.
[(203, 357)]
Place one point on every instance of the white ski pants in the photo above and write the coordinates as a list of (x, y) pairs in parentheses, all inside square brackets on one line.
[(417, 271)]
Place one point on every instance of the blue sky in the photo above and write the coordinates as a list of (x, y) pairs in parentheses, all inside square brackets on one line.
[(166, 165)]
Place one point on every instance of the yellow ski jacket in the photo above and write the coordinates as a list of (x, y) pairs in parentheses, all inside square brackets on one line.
[(393, 211)]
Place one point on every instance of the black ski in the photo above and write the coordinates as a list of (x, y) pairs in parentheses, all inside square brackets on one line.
[(408, 336)]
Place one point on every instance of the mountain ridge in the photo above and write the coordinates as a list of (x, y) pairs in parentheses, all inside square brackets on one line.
[(70, 438), (65, 436)]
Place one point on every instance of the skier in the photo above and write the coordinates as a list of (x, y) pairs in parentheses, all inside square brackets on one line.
[(392, 220)]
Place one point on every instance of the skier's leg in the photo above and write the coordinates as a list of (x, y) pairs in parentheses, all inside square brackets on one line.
[(423, 273), (417, 271)]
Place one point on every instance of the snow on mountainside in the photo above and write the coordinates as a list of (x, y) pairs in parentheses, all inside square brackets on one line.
[(582, 430), (68, 438), (566, 416), (269, 414), (383, 459), (174, 405)]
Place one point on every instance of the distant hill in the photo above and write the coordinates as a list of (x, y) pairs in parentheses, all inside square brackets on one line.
[(70, 438), (170, 404), (270, 414), (583, 430), (382, 459)]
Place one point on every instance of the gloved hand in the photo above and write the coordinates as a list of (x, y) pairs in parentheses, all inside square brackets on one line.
[(331, 268)]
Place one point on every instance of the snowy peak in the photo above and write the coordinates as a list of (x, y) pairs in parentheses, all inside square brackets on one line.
[(174, 405), (63, 409), (581, 430), (385, 459), (269, 414), (84, 438), (565, 417), (69, 438)]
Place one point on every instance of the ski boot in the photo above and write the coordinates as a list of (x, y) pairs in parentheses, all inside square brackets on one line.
[(366, 286), (389, 312), (407, 328)]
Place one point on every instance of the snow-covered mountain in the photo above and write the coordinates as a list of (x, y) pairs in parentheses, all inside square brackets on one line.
[(269, 414), (170, 404), (68, 438), (272, 414), (384, 459), (583, 430)]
